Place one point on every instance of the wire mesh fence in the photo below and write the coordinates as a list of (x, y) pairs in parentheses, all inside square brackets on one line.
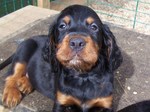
[(130, 13), (8, 6), (126, 13)]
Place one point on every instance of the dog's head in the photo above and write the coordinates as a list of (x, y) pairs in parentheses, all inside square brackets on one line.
[(78, 40)]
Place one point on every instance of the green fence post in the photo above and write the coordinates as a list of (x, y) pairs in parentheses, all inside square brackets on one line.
[(28, 2), (21, 3), (14, 6), (6, 10), (136, 11), (35, 2)]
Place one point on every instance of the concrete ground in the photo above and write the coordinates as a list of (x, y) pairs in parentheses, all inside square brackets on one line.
[(132, 81)]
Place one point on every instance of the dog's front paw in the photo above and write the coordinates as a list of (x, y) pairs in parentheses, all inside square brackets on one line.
[(24, 85), (11, 97)]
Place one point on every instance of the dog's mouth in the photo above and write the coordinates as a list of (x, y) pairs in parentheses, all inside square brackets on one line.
[(75, 60), (78, 63)]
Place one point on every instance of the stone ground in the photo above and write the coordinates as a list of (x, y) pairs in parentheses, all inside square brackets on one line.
[(132, 81)]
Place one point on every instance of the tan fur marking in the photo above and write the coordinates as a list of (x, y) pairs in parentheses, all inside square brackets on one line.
[(66, 19), (16, 84), (19, 69), (24, 85), (90, 53), (90, 20), (105, 102), (64, 51), (11, 95), (64, 99)]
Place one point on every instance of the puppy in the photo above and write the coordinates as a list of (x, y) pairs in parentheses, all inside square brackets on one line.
[(73, 65)]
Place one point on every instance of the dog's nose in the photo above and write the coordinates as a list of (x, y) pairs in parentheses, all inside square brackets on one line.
[(77, 43)]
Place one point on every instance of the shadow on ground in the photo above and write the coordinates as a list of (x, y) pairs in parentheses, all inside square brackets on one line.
[(126, 70)]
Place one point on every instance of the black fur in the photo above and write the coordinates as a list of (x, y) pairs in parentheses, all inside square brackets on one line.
[(143, 106)]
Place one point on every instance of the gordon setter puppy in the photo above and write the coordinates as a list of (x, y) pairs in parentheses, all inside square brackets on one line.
[(73, 65)]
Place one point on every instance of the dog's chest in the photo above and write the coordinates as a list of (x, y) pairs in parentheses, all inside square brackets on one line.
[(87, 88)]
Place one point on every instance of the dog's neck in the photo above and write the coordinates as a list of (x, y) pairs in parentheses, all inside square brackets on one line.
[(71, 80)]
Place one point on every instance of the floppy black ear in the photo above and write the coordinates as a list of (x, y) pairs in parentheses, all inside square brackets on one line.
[(112, 50), (49, 50)]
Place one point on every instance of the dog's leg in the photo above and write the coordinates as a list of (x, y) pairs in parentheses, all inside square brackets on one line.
[(15, 85), (18, 83), (24, 85)]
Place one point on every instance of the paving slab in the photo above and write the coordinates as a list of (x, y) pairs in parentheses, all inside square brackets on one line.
[(132, 81)]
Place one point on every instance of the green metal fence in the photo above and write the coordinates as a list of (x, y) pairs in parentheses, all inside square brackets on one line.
[(127, 13), (8, 6), (139, 10)]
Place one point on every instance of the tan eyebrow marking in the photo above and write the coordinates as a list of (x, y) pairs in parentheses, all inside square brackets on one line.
[(90, 20), (66, 19)]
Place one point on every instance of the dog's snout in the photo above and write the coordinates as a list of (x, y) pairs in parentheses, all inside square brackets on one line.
[(77, 43)]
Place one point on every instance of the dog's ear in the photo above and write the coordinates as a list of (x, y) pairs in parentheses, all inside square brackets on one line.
[(49, 51), (111, 49)]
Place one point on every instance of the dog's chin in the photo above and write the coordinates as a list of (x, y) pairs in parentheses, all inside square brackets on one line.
[(75, 62), (78, 64)]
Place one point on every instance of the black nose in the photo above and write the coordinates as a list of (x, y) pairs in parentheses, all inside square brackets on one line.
[(77, 43)]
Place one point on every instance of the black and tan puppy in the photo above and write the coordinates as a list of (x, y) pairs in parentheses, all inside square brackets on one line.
[(73, 65)]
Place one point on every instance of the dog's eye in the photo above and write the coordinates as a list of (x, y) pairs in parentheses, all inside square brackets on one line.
[(62, 26), (68, 109), (93, 27)]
